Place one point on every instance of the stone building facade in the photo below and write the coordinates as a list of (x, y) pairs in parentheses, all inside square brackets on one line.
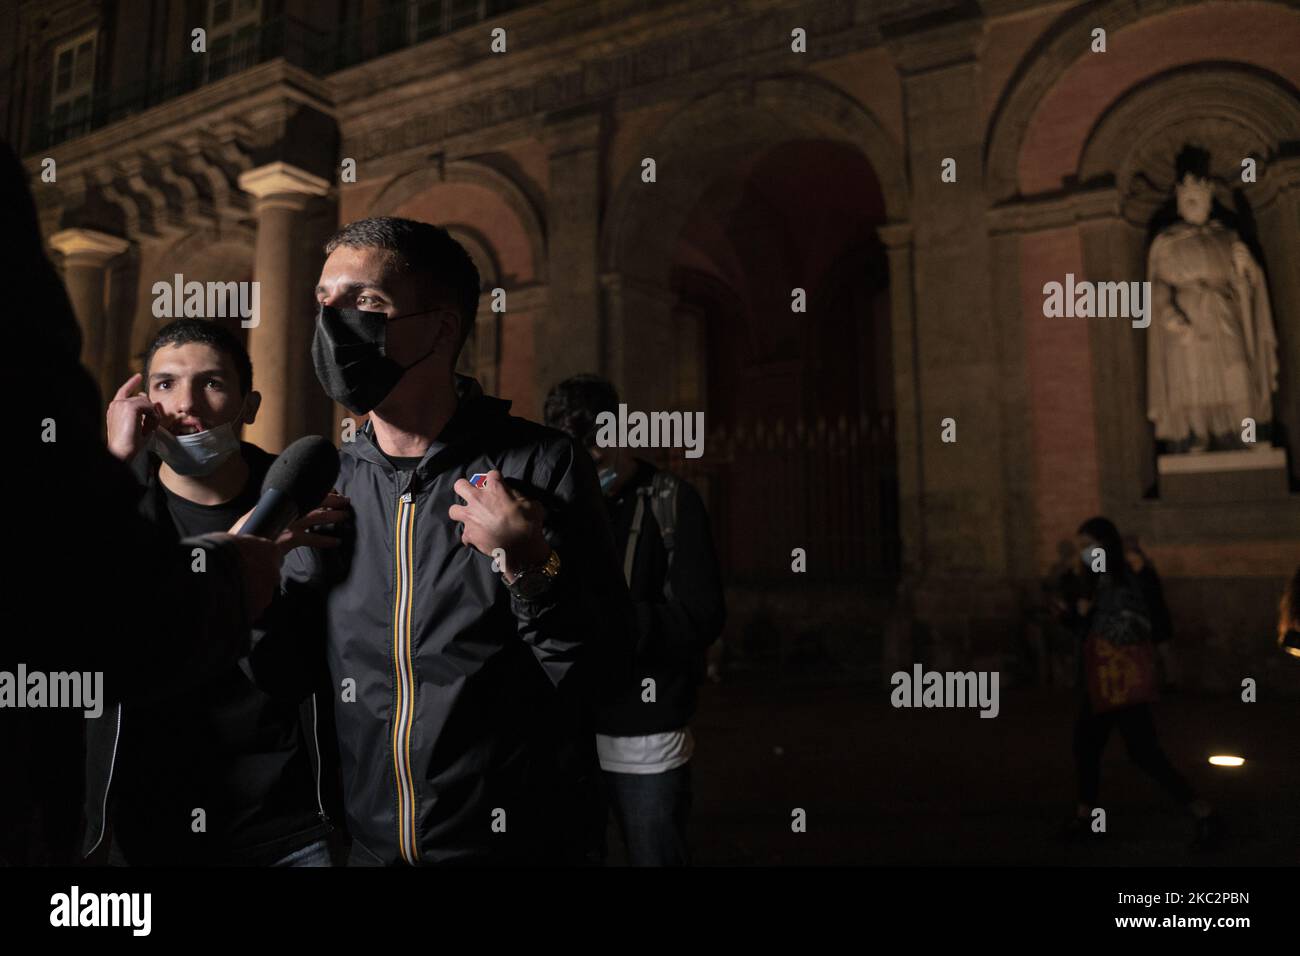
[(776, 167)]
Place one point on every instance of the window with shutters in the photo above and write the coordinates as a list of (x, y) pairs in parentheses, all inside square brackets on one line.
[(73, 87)]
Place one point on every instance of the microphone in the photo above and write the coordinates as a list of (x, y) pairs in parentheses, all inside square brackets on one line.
[(295, 484)]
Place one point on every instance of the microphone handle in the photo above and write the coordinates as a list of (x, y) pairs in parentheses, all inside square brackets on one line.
[(274, 512)]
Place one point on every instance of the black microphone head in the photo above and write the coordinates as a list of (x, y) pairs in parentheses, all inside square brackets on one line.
[(305, 471)]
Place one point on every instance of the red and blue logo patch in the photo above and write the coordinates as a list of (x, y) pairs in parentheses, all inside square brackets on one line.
[(478, 480)]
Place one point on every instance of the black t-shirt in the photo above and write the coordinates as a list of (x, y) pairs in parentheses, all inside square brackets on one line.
[(191, 518), (225, 747), (403, 464)]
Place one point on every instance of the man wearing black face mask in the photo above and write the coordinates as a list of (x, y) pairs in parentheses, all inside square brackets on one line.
[(470, 612)]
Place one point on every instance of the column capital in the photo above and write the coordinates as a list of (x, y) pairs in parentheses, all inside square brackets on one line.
[(88, 245), (282, 179)]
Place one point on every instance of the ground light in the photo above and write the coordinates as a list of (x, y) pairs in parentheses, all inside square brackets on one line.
[(1225, 760)]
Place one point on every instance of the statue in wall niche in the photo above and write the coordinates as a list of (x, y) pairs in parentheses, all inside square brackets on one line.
[(1212, 348)]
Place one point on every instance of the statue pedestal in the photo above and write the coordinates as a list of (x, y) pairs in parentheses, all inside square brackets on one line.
[(1223, 476)]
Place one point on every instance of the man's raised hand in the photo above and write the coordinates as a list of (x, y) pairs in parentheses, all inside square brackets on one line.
[(132, 418), (496, 516)]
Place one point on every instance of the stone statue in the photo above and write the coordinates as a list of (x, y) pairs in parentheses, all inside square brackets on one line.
[(1212, 349)]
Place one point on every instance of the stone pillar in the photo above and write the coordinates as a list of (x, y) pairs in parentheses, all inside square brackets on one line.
[(1013, 398), (1277, 204), (898, 243), (953, 493), (280, 341), (86, 254), (1112, 252), (568, 337)]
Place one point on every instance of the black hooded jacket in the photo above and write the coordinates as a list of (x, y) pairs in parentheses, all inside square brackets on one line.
[(464, 714), (246, 751)]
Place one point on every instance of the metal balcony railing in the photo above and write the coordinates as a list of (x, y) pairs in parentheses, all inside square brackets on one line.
[(401, 25), (297, 42)]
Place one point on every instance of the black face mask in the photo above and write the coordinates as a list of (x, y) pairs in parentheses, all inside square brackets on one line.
[(349, 351)]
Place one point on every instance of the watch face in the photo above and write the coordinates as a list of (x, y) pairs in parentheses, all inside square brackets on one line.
[(530, 584)]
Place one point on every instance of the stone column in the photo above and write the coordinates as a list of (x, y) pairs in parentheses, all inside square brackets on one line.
[(898, 243), (279, 341), (953, 493), (1277, 204), (86, 254), (1112, 252), (568, 338)]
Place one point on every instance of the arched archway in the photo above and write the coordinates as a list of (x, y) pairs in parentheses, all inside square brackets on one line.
[(1236, 112), (709, 257), (1060, 78), (1078, 158)]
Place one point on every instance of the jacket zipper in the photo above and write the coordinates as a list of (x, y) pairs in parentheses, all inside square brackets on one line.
[(112, 764), (404, 675), (315, 742)]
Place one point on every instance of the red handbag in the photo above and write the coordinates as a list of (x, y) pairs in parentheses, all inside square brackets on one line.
[(1119, 675)]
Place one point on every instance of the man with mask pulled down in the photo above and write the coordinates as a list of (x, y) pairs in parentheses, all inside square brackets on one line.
[(235, 745), (85, 566), (475, 609)]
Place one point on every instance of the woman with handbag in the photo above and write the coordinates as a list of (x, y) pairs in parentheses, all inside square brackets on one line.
[(1117, 678)]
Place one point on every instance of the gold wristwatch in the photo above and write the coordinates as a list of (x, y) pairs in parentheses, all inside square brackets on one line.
[(532, 583)]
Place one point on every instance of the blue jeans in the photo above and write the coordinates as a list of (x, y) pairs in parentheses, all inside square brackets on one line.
[(652, 810), (313, 854)]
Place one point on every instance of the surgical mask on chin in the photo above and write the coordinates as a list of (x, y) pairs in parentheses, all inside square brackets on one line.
[(200, 454)]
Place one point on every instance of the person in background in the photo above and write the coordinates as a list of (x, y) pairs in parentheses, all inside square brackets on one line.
[(662, 530), (1162, 625), (1113, 622)]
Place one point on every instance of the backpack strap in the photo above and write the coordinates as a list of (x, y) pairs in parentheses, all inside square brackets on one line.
[(662, 496), (630, 555), (663, 505)]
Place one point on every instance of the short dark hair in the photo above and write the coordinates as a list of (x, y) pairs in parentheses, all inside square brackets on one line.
[(420, 248), (205, 332), (574, 404)]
